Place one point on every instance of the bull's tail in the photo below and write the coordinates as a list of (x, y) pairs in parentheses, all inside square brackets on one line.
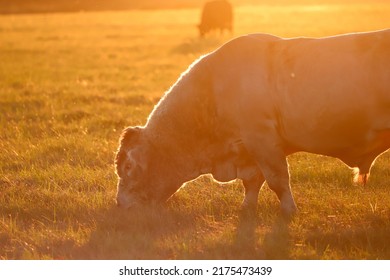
[(360, 178)]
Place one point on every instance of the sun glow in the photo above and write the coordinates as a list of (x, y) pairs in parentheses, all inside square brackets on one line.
[(70, 81)]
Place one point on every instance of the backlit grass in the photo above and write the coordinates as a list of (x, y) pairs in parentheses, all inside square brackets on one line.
[(69, 83)]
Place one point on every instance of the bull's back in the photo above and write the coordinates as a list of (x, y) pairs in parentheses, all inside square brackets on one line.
[(322, 95), (333, 91)]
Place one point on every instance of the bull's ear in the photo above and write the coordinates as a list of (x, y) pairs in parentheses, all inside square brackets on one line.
[(130, 135)]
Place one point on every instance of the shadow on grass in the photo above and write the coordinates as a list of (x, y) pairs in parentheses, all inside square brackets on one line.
[(171, 234), (277, 242), (166, 233), (181, 232), (246, 238), (134, 235)]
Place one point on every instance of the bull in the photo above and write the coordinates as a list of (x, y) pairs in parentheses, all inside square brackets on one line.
[(217, 14), (239, 111)]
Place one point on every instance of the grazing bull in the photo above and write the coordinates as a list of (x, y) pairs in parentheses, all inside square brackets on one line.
[(240, 110), (217, 14)]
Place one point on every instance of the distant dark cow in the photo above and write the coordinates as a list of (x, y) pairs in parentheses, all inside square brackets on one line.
[(239, 111), (216, 14)]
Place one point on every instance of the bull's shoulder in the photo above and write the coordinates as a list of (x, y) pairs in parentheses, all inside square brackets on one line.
[(262, 37), (252, 39), (246, 45)]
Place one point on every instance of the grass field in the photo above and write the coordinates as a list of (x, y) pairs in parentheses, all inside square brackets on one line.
[(69, 83)]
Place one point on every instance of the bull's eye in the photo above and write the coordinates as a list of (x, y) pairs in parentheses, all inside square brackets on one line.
[(127, 167)]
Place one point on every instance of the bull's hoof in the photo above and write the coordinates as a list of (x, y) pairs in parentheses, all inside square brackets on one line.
[(288, 207), (247, 224), (288, 214), (248, 210)]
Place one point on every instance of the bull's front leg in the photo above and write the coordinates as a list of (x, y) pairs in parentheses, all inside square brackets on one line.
[(273, 164), (276, 174), (252, 187), (278, 180)]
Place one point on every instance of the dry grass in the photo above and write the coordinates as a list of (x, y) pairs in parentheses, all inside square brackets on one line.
[(70, 82)]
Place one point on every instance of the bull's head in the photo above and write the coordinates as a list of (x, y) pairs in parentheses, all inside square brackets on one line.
[(144, 176)]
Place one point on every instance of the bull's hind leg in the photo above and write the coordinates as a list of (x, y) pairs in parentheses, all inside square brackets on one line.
[(273, 165)]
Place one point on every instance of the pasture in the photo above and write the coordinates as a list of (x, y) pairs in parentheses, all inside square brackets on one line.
[(70, 82)]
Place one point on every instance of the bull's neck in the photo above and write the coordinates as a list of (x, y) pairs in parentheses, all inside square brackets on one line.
[(181, 124)]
